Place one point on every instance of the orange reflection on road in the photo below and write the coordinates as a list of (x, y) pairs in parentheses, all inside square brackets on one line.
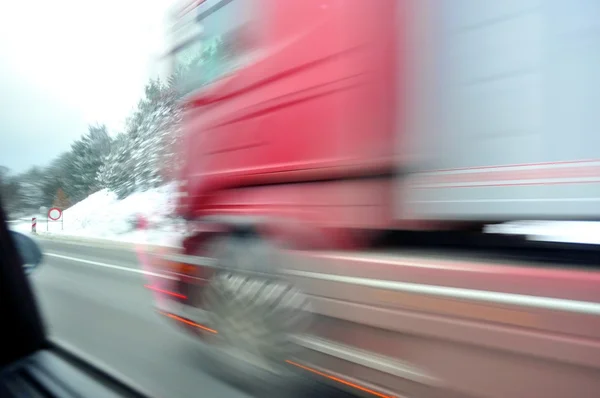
[(342, 381), (170, 293), (188, 322)]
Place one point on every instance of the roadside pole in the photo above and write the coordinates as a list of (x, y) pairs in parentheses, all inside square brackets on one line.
[(34, 225)]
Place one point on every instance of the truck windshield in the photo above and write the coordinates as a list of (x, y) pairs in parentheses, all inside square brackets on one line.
[(213, 42)]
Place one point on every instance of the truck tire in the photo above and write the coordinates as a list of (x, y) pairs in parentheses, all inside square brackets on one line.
[(254, 315)]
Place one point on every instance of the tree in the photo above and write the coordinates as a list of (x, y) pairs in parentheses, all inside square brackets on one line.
[(61, 200), (117, 173), (30, 187), (10, 192), (57, 176), (87, 158), (141, 154)]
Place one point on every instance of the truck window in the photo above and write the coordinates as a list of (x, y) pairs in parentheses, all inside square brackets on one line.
[(213, 42)]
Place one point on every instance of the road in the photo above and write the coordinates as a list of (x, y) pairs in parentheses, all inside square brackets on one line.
[(92, 297), (106, 313)]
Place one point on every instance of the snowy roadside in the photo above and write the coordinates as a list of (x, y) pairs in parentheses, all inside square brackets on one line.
[(92, 241), (102, 217), (546, 231), (587, 232)]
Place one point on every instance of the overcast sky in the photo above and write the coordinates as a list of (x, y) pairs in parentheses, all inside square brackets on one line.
[(67, 63)]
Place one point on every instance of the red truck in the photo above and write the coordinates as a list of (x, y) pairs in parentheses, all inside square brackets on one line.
[(340, 159)]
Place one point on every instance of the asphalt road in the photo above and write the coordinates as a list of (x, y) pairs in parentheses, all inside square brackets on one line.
[(106, 313), (92, 297)]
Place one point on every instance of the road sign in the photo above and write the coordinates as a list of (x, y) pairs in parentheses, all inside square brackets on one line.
[(54, 214)]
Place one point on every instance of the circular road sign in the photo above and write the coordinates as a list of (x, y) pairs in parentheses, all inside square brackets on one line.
[(54, 213)]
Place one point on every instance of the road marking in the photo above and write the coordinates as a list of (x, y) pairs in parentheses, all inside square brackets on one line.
[(101, 243), (125, 246), (118, 267)]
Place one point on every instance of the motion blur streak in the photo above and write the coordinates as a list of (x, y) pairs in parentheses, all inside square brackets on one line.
[(341, 163), (337, 379), (156, 289), (180, 319)]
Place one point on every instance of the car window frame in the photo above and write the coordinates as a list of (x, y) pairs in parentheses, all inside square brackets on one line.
[(23, 330)]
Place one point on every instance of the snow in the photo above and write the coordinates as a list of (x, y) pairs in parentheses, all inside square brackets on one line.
[(587, 232), (102, 215)]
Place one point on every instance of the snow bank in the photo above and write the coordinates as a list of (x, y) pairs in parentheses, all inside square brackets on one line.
[(103, 215), (587, 232)]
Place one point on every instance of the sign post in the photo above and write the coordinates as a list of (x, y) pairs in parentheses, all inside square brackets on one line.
[(55, 214)]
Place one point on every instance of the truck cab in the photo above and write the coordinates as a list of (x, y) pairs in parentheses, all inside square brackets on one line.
[(339, 160)]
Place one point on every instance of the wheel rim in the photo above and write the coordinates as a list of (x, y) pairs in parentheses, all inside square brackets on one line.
[(255, 318)]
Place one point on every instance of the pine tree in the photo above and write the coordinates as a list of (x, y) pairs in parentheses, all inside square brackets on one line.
[(57, 176), (144, 156), (87, 157), (10, 193), (117, 173), (30, 188)]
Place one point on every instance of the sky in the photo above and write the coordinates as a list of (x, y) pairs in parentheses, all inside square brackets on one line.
[(65, 64)]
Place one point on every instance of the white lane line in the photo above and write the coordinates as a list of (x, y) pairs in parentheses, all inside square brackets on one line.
[(118, 267)]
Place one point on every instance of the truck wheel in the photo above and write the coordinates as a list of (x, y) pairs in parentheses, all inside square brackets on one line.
[(254, 315)]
